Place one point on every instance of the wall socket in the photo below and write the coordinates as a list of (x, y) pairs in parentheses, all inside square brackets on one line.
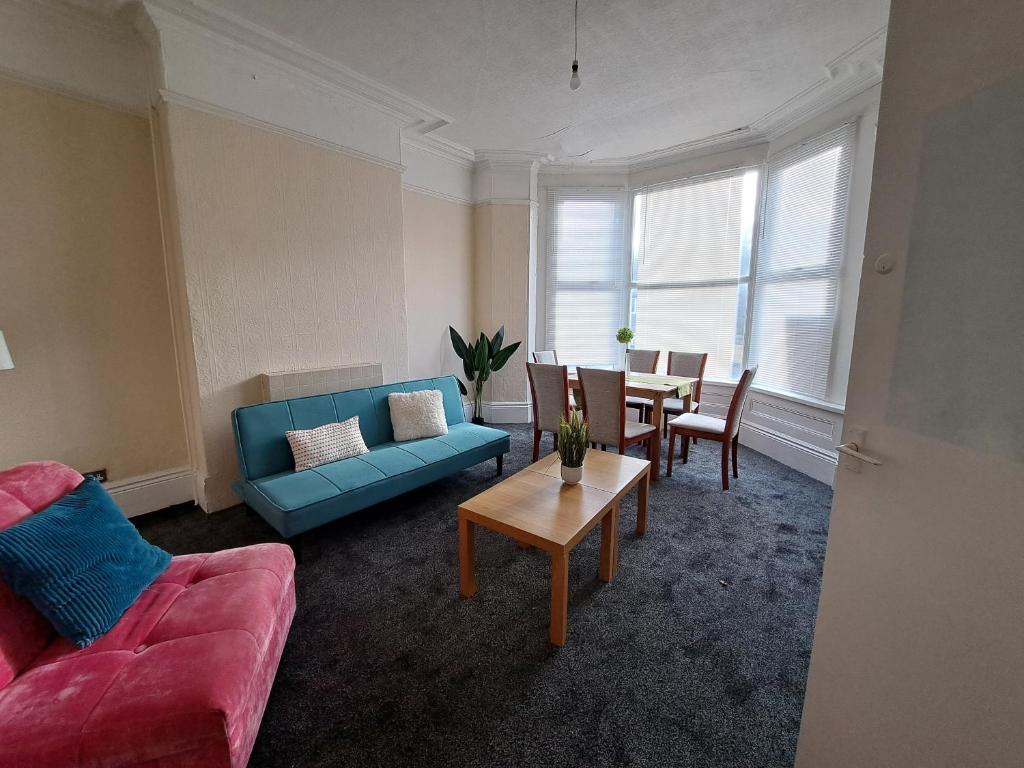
[(99, 474)]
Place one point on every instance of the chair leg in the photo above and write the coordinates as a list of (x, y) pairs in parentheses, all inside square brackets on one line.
[(735, 450), (725, 465), (536, 444), (664, 428), (554, 441), (650, 447), (501, 463), (604, 447), (671, 450), (686, 447)]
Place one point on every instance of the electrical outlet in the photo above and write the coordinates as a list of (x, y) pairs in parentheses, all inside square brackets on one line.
[(99, 474)]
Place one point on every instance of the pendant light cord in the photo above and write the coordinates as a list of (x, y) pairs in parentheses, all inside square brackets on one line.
[(575, 29)]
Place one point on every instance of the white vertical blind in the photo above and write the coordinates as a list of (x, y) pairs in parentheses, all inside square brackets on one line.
[(799, 258), (586, 288), (691, 267)]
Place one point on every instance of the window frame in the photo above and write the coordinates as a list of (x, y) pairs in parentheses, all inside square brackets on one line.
[(745, 305), (546, 219)]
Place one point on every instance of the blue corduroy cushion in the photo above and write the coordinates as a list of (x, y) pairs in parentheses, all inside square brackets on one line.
[(80, 562)]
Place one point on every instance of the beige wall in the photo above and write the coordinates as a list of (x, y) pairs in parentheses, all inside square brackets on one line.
[(438, 237), (501, 276), (83, 296), (291, 257)]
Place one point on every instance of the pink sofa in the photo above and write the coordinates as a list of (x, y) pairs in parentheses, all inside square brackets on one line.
[(181, 680)]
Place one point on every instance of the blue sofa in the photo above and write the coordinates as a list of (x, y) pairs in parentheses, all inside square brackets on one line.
[(294, 502)]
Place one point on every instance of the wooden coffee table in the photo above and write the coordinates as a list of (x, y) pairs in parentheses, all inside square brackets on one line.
[(536, 508)]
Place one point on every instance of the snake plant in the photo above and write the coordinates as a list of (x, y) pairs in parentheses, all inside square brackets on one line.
[(479, 360)]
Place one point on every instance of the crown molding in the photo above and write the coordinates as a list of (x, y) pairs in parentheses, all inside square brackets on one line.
[(852, 72), (509, 158), (76, 18), (440, 147), (73, 51), (227, 26)]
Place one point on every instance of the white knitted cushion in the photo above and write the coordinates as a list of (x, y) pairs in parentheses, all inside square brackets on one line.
[(417, 414), (331, 442)]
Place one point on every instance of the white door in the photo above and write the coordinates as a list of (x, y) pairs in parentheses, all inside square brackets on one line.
[(918, 655)]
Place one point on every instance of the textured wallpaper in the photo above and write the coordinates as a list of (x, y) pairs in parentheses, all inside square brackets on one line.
[(83, 298), (501, 273), (438, 280), (292, 258)]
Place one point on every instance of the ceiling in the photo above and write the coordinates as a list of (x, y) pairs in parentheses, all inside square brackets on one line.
[(656, 73)]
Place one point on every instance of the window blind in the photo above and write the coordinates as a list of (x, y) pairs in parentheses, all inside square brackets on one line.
[(691, 267), (799, 259), (586, 286)]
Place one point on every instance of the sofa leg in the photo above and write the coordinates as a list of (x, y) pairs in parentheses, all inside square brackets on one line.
[(501, 463)]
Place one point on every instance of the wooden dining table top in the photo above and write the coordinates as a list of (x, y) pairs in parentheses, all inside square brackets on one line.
[(648, 383)]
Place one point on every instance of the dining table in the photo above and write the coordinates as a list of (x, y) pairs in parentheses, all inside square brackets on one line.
[(656, 388)]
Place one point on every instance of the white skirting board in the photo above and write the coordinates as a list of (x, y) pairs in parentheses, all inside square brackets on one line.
[(800, 457), (148, 493), (506, 413)]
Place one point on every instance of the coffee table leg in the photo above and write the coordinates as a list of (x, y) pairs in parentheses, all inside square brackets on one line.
[(559, 596), (609, 544), (642, 491), (467, 558)]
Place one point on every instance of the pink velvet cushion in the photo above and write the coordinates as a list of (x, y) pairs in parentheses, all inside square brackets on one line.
[(24, 490), (182, 678)]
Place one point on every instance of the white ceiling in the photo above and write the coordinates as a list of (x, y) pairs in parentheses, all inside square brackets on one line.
[(656, 73)]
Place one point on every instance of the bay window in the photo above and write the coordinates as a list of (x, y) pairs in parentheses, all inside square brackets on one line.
[(703, 265)]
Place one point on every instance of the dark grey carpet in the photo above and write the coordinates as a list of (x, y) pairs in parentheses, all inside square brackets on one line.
[(665, 666)]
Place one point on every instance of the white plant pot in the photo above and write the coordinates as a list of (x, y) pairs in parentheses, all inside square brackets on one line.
[(571, 475)]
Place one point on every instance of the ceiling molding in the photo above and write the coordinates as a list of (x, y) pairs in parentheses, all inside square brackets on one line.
[(509, 158), (850, 73), (75, 17), (75, 52), (440, 147), (315, 65)]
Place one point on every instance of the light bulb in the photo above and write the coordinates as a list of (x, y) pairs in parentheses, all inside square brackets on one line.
[(574, 81)]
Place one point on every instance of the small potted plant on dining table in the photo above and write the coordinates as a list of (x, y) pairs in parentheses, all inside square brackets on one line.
[(572, 446), (625, 337)]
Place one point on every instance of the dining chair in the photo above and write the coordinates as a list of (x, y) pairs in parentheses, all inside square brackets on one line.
[(691, 365), (550, 357), (642, 361), (604, 408), (549, 389), (725, 431)]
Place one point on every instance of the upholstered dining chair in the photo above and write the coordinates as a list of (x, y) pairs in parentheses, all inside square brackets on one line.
[(725, 431), (604, 408), (550, 357), (691, 365), (549, 388), (642, 361)]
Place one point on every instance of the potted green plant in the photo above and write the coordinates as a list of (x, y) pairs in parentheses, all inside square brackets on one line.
[(572, 446), (479, 361), (625, 337)]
